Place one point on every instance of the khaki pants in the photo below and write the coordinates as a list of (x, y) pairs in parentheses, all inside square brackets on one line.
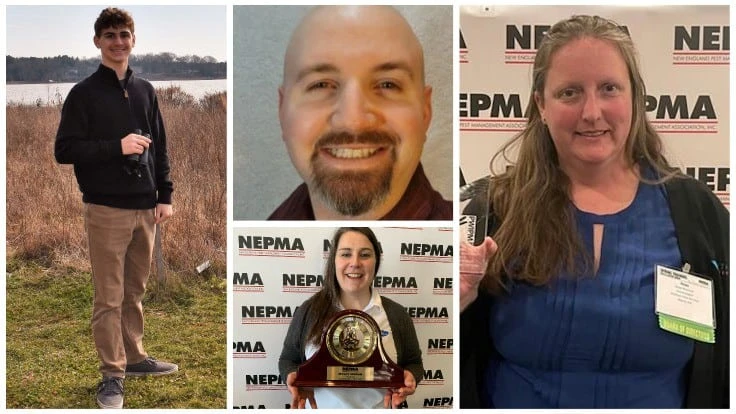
[(120, 249)]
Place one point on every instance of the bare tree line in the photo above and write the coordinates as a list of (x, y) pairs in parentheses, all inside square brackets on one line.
[(158, 66)]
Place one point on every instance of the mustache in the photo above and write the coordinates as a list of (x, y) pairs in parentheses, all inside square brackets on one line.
[(374, 137)]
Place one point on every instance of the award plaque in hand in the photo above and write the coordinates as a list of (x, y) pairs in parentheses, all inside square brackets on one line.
[(351, 355)]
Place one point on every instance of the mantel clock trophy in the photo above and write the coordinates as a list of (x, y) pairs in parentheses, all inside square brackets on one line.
[(351, 355)]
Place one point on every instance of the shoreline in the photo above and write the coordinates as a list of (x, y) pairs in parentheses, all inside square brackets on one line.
[(148, 79)]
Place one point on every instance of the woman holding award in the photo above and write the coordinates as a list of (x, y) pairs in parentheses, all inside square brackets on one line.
[(351, 268), (586, 296)]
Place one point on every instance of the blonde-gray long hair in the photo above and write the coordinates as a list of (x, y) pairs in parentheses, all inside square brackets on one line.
[(537, 238)]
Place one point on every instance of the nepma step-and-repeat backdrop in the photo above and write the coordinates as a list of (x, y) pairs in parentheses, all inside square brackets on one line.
[(684, 56), (276, 269)]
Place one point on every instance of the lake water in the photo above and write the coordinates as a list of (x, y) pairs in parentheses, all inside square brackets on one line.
[(56, 92)]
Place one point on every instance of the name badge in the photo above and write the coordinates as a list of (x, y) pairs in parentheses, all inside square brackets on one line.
[(684, 303)]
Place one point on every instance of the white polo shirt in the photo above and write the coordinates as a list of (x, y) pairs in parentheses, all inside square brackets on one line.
[(358, 397)]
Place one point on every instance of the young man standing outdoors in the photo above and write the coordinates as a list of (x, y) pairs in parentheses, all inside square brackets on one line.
[(112, 131)]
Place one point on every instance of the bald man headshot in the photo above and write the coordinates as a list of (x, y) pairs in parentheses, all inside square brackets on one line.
[(353, 100)]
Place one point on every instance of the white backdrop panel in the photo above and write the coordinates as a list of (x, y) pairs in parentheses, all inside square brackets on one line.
[(276, 269), (684, 56)]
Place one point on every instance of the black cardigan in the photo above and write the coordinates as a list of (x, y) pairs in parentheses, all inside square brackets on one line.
[(702, 227)]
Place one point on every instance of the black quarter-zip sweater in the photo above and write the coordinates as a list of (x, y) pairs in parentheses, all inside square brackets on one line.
[(98, 112)]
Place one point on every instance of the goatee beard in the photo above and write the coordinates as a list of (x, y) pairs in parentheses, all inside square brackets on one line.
[(353, 193)]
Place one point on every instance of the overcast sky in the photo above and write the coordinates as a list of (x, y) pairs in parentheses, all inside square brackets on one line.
[(46, 31)]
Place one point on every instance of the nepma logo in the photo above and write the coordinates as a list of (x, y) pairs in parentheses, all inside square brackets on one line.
[(433, 377), (442, 286), (260, 382), (249, 349), (463, 49), (249, 407), (701, 45), (269, 315), (717, 179), (678, 114), (474, 105), (242, 282), (270, 246), (676, 107), (519, 48), (302, 283), (522, 42), (439, 346), (438, 402), (421, 252), (396, 285), (428, 314), (484, 112)]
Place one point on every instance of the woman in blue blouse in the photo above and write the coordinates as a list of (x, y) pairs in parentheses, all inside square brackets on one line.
[(559, 305)]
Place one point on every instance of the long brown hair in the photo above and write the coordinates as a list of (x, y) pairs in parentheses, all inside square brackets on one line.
[(537, 237), (325, 302)]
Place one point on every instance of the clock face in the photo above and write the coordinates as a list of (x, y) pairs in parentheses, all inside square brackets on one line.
[(351, 339)]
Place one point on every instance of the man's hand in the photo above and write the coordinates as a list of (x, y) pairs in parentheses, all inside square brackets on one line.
[(299, 396), (395, 397), (163, 212), (473, 263), (134, 144)]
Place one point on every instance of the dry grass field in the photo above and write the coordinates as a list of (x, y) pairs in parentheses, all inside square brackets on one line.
[(44, 205), (50, 356)]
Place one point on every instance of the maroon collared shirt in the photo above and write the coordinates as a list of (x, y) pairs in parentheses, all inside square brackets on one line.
[(419, 202)]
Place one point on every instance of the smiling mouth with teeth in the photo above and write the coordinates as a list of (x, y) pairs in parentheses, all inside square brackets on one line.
[(592, 133), (353, 275), (352, 152)]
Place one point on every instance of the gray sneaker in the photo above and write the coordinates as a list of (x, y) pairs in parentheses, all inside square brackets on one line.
[(150, 366), (110, 392)]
